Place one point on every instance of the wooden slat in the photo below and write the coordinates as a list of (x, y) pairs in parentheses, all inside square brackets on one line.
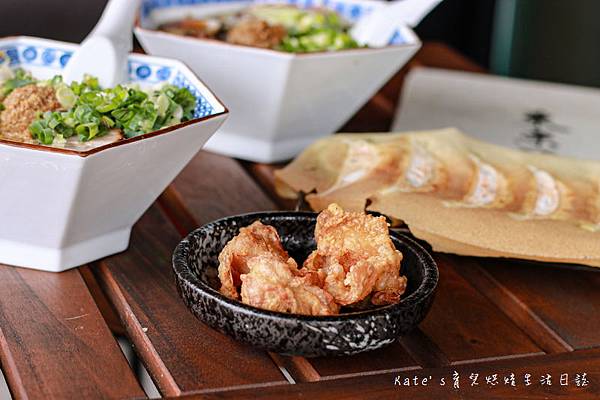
[(383, 386), (514, 308), (265, 176), (181, 353), (565, 298), (423, 349), (466, 325), (212, 187), (106, 309), (54, 342), (391, 358)]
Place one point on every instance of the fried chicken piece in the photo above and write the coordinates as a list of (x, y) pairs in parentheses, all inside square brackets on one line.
[(253, 240), (357, 257), (21, 108), (272, 285), (269, 278), (256, 33)]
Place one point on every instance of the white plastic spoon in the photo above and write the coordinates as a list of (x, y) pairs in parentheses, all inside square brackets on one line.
[(377, 28), (104, 51)]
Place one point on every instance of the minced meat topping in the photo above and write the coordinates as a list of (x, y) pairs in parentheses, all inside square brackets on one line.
[(22, 106)]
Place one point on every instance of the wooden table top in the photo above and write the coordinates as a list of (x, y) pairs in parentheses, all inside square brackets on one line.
[(497, 319)]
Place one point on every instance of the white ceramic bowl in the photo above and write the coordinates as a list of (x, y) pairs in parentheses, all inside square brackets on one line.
[(280, 102), (60, 208)]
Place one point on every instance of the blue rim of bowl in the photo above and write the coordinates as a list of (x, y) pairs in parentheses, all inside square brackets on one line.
[(424, 291)]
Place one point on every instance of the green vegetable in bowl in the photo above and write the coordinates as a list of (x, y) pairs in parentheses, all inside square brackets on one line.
[(16, 79), (318, 40), (272, 26), (50, 111), (91, 111), (307, 30)]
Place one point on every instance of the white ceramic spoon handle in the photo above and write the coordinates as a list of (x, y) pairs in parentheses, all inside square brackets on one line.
[(116, 22), (376, 29), (104, 52), (411, 12)]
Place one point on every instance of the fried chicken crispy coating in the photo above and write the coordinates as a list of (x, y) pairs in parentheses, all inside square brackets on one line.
[(253, 240), (355, 261), (271, 284), (357, 258), (269, 278)]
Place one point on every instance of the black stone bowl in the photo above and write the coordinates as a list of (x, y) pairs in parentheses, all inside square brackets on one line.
[(195, 264)]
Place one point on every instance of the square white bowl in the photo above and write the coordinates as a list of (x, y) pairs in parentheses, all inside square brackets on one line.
[(61, 208), (280, 102)]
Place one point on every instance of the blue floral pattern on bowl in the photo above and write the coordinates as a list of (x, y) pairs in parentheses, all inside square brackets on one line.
[(397, 38), (140, 71)]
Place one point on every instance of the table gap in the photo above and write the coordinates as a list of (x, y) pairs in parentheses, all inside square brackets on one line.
[(563, 297), (5, 393), (138, 368)]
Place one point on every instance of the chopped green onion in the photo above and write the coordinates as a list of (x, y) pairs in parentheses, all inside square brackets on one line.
[(19, 79), (92, 111), (307, 30), (65, 96)]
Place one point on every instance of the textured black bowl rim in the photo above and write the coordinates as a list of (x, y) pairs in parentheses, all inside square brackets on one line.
[(422, 293)]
